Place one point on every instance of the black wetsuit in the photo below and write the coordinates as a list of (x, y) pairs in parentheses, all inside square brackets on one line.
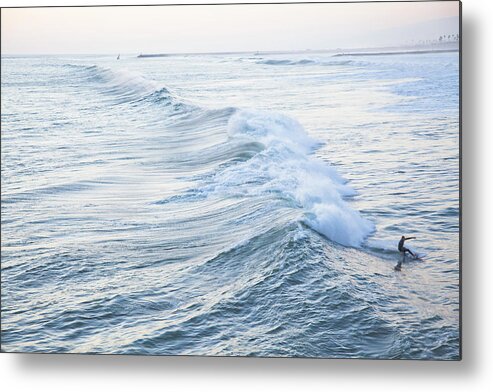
[(402, 248), (401, 245)]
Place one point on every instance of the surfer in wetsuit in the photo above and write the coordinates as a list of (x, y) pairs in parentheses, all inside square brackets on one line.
[(402, 248)]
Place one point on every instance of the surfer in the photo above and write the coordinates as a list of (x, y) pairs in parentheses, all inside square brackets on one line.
[(402, 248)]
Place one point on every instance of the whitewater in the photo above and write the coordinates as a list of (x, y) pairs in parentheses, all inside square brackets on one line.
[(231, 205)]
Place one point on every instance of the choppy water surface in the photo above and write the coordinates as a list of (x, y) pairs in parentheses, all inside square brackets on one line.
[(231, 205)]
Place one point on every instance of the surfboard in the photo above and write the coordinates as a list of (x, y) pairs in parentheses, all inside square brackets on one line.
[(419, 256)]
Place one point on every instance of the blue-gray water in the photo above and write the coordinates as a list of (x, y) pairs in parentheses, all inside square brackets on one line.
[(231, 205)]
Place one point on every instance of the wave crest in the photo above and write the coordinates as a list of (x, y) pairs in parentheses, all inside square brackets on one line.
[(308, 62), (286, 62), (287, 167), (126, 86)]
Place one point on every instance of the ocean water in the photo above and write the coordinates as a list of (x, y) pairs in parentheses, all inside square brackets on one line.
[(231, 205)]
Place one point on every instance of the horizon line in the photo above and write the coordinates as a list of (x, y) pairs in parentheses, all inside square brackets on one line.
[(281, 51)]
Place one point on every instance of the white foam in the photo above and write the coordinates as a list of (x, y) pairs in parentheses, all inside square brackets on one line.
[(271, 128), (287, 166)]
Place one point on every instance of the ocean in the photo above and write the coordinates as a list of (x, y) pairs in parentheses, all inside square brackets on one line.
[(231, 205)]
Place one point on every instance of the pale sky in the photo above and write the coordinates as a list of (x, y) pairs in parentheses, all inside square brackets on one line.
[(169, 29)]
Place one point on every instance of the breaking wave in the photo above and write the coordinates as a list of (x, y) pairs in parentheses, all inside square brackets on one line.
[(263, 153)]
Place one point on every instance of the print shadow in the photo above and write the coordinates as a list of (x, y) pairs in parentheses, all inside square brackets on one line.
[(471, 179), (30, 364)]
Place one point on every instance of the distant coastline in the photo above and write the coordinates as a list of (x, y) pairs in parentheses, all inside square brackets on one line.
[(438, 47), (397, 52)]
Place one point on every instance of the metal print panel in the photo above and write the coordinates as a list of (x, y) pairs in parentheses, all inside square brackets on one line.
[(276, 180)]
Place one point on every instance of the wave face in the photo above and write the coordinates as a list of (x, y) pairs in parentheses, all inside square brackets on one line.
[(176, 207), (313, 61), (124, 86), (286, 62)]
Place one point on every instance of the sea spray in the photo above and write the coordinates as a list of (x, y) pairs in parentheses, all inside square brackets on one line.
[(287, 166)]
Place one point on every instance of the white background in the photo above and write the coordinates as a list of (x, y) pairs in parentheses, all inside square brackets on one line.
[(21, 372)]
